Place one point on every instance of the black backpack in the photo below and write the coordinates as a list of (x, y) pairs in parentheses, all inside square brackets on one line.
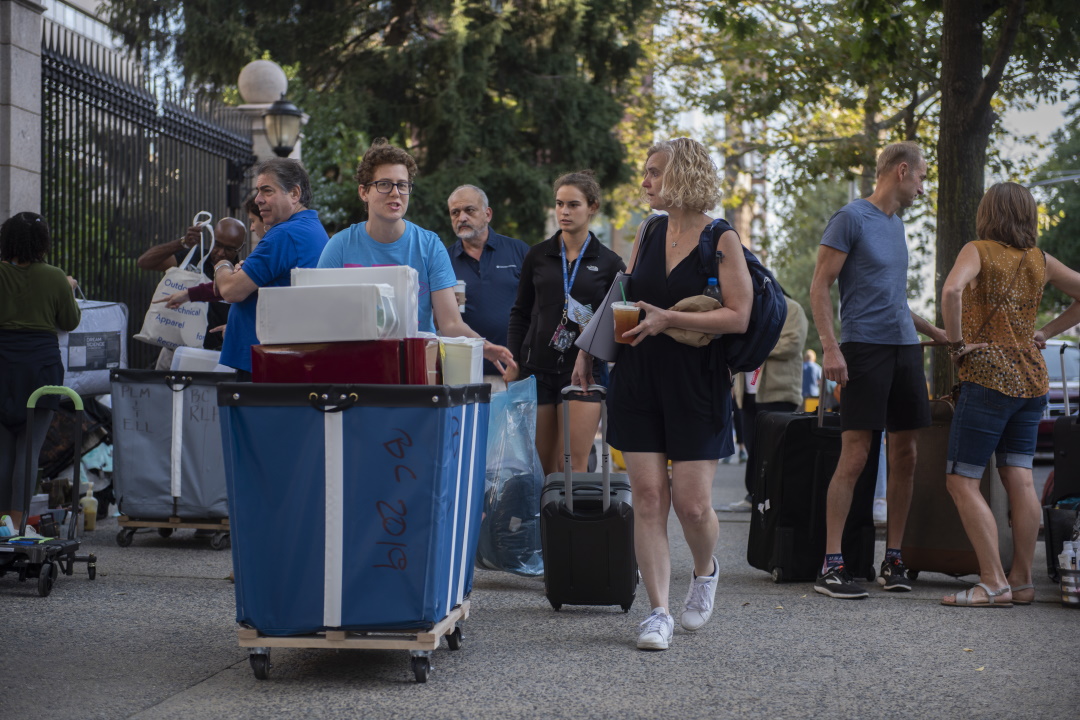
[(747, 352)]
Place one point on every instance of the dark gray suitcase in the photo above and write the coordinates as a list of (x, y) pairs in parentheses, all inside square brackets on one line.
[(587, 530), (1066, 446)]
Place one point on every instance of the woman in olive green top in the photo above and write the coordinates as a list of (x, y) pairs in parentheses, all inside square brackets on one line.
[(35, 299)]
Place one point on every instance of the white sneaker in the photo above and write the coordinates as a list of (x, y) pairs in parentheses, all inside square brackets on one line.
[(699, 599), (881, 511), (656, 630)]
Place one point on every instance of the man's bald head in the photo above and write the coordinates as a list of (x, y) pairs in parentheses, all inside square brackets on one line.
[(230, 232)]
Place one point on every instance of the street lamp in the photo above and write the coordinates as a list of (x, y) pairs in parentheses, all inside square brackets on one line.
[(282, 122)]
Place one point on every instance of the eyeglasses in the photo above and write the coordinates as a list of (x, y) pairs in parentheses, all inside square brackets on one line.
[(384, 186)]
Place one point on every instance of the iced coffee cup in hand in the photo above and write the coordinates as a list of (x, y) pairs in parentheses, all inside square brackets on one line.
[(459, 294), (626, 316)]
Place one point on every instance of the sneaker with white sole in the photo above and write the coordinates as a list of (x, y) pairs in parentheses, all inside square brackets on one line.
[(699, 599), (656, 630), (838, 583)]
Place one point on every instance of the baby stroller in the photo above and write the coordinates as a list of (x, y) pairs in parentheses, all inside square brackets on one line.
[(45, 557)]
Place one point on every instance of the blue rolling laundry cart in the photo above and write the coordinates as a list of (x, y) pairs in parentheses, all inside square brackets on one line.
[(354, 512)]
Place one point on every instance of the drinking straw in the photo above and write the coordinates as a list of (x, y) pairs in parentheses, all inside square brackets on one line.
[(622, 289)]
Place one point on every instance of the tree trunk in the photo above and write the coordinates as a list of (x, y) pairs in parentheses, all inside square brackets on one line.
[(962, 141)]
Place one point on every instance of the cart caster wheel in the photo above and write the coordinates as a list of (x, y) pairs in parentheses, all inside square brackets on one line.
[(165, 532), (260, 665), (46, 576), (778, 574), (421, 666), (220, 541), (123, 538), (91, 567), (453, 640), (913, 574)]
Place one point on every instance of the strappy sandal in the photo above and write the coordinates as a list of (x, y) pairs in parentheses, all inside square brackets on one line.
[(967, 598), (1018, 588)]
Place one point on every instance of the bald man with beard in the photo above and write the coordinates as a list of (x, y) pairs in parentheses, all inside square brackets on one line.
[(229, 237)]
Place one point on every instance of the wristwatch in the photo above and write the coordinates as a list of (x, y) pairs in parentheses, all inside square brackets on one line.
[(955, 348)]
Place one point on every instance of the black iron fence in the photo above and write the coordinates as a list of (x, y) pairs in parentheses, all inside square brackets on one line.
[(125, 167)]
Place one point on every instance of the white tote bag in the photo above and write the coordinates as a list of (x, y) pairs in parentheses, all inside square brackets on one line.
[(186, 325)]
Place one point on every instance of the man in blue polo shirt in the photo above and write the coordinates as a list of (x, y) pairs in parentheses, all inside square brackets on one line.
[(489, 264), (296, 238)]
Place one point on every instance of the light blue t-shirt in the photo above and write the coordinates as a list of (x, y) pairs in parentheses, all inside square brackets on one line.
[(873, 282), (418, 248)]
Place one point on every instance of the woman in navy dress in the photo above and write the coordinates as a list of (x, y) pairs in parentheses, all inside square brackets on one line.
[(670, 401)]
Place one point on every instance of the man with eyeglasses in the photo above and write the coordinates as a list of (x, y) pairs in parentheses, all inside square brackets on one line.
[(229, 236), (385, 178), (489, 264)]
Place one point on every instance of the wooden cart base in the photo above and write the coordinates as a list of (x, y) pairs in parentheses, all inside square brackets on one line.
[(165, 527), (419, 643)]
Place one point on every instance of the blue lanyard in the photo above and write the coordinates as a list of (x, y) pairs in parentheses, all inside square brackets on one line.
[(569, 283)]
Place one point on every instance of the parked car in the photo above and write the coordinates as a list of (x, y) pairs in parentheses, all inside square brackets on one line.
[(1053, 354)]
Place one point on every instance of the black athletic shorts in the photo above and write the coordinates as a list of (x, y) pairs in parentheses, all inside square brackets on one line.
[(886, 388)]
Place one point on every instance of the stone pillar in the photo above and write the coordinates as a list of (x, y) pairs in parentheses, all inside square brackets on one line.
[(20, 107)]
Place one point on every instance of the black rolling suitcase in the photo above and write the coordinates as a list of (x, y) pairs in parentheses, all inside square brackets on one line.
[(587, 530), (1066, 446), (794, 459)]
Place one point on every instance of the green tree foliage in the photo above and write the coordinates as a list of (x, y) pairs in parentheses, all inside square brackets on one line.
[(506, 96), (1062, 206), (801, 226)]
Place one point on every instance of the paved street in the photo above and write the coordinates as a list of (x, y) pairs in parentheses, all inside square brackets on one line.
[(154, 637)]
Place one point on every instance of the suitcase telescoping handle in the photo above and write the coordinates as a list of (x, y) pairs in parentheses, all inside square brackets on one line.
[(1064, 381), (31, 405), (568, 468)]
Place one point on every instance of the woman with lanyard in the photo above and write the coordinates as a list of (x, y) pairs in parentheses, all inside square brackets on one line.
[(563, 281)]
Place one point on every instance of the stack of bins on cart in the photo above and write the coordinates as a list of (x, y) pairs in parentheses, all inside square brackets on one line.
[(168, 470), (353, 507)]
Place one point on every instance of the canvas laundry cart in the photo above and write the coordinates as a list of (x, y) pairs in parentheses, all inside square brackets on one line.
[(168, 470), (355, 512)]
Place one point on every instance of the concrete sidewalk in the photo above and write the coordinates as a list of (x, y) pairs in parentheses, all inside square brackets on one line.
[(155, 637)]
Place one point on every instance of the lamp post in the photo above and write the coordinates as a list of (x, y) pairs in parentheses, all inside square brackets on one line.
[(282, 121)]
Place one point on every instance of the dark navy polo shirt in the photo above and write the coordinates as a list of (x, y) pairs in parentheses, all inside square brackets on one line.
[(490, 286)]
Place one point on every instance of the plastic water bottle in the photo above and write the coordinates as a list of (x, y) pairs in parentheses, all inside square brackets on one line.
[(1070, 576), (89, 505), (712, 289)]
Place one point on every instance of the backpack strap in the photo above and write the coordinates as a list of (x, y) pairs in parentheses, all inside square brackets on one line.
[(711, 257)]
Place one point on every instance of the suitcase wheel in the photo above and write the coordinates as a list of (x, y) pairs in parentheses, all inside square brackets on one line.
[(871, 574), (913, 574), (778, 574), (626, 608)]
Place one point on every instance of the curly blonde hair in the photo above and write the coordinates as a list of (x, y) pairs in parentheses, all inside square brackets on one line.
[(691, 179)]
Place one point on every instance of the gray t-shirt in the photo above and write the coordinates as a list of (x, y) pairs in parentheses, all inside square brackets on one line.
[(873, 282)]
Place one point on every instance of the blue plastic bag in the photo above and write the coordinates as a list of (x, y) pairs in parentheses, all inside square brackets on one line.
[(510, 529)]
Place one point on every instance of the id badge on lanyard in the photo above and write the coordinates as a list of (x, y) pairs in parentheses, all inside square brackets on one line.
[(564, 336)]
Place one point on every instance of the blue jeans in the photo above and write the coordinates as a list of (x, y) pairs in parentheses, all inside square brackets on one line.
[(988, 422)]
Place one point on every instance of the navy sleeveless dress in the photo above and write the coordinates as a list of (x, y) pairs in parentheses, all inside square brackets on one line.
[(664, 396)]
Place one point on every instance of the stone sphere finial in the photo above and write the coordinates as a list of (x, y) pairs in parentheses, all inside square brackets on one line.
[(262, 81)]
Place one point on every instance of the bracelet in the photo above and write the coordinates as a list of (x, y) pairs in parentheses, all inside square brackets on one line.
[(220, 264), (957, 348)]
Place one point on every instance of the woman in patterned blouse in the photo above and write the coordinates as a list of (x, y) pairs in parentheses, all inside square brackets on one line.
[(989, 303)]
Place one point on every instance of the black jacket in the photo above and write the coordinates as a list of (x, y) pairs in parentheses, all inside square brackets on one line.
[(539, 305)]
